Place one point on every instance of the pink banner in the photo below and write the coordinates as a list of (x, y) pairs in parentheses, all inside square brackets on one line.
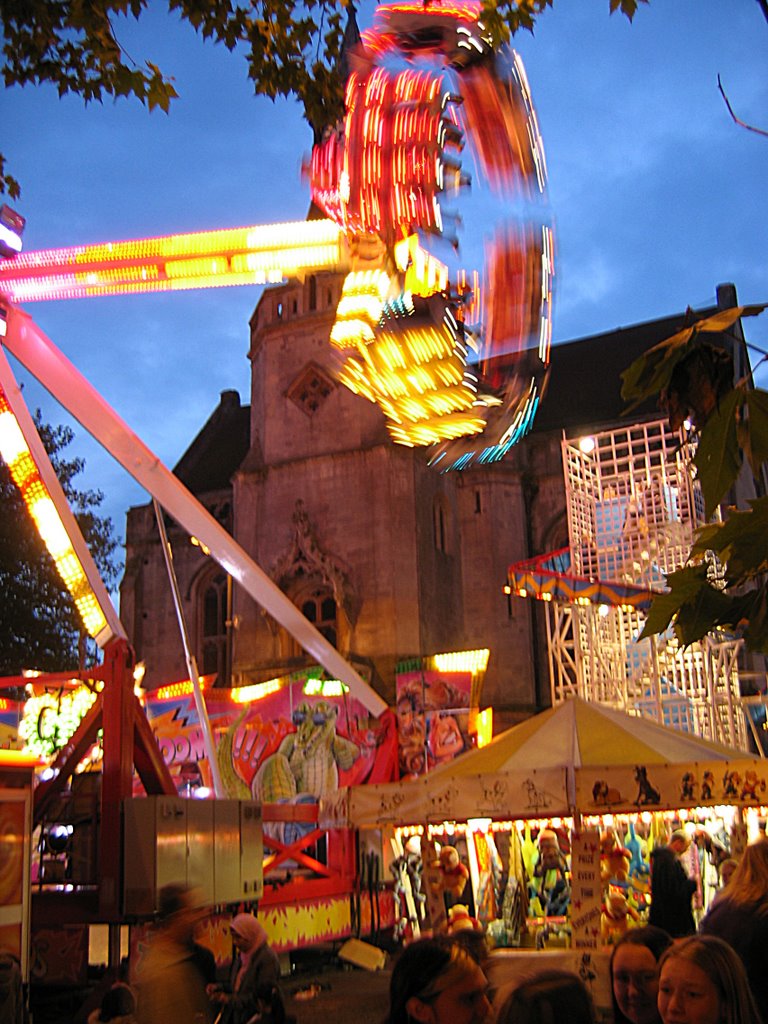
[(432, 718), (294, 743)]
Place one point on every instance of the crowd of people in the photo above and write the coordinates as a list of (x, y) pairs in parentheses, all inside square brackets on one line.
[(677, 974), (177, 980), (665, 972)]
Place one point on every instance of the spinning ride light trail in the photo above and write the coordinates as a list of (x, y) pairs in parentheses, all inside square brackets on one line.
[(206, 259), (427, 92)]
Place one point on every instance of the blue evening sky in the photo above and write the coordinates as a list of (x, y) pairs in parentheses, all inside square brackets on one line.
[(657, 195)]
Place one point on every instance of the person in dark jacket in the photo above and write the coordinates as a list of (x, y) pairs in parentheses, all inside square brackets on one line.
[(739, 916), (671, 894), (254, 966), (12, 1007), (170, 987)]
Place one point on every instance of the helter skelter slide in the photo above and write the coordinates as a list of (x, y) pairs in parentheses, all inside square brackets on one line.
[(442, 323)]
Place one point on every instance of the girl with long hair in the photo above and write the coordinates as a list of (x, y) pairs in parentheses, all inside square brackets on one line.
[(739, 915), (702, 981)]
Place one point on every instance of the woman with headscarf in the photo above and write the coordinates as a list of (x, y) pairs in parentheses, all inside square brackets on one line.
[(254, 966)]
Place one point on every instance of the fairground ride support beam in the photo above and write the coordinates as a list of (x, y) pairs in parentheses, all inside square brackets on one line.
[(127, 741), (39, 355)]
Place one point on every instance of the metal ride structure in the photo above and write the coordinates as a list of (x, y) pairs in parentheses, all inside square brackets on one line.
[(633, 507), (456, 357)]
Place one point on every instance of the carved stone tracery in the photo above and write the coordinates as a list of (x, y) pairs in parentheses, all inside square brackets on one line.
[(304, 559)]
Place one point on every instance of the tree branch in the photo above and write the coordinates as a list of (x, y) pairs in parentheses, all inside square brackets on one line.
[(743, 124)]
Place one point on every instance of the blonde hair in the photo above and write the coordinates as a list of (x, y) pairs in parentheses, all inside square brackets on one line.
[(749, 882), (722, 964)]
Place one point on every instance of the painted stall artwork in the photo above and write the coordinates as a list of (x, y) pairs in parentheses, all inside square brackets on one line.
[(432, 718), (11, 712), (295, 743), (647, 787)]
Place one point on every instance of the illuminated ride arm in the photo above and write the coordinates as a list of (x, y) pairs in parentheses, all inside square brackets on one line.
[(207, 259), (456, 359), (32, 472), (39, 355)]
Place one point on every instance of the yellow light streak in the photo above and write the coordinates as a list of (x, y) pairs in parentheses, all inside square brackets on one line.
[(462, 661), (249, 694), (24, 474), (183, 688), (484, 724)]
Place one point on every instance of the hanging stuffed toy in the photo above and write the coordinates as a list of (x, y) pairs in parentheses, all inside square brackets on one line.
[(614, 867), (550, 876), (618, 915), (459, 920), (638, 865), (452, 874)]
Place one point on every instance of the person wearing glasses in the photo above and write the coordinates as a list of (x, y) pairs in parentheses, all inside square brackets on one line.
[(635, 975)]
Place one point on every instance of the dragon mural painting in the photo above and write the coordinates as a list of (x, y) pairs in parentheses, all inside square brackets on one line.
[(308, 760), (286, 746)]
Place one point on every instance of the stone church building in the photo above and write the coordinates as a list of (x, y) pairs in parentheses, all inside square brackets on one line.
[(390, 559)]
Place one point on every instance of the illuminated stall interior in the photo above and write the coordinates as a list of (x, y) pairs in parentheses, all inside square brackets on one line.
[(511, 808)]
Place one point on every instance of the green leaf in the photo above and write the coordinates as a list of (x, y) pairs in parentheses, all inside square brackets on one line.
[(709, 538), (756, 633), (726, 318), (684, 585), (652, 371), (717, 458), (660, 614), (710, 607), (743, 542), (754, 429)]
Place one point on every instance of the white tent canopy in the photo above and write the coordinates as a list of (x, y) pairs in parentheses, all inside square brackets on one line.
[(577, 756)]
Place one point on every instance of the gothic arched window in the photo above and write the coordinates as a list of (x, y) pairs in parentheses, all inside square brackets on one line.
[(212, 625), (319, 607)]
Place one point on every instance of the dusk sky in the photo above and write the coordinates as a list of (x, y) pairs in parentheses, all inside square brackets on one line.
[(657, 196)]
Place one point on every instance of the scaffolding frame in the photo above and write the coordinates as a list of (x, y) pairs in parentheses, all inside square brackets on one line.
[(633, 505)]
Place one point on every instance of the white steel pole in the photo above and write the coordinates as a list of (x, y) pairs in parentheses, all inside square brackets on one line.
[(37, 352)]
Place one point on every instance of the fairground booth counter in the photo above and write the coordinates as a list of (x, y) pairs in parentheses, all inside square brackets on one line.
[(243, 829), (553, 822)]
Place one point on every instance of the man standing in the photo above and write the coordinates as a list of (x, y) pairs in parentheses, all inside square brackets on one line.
[(170, 986), (672, 889)]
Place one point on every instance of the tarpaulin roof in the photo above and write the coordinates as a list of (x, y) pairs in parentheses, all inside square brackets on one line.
[(577, 755), (579, 732)]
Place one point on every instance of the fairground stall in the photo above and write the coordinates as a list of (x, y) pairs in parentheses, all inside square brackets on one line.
[(257, 840), (16, 780), (552, 824)]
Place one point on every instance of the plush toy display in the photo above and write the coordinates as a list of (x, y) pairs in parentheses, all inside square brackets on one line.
[(638, 849), (550, 876), (453, 874), (459, 919), (614, 867), (618, 915)]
